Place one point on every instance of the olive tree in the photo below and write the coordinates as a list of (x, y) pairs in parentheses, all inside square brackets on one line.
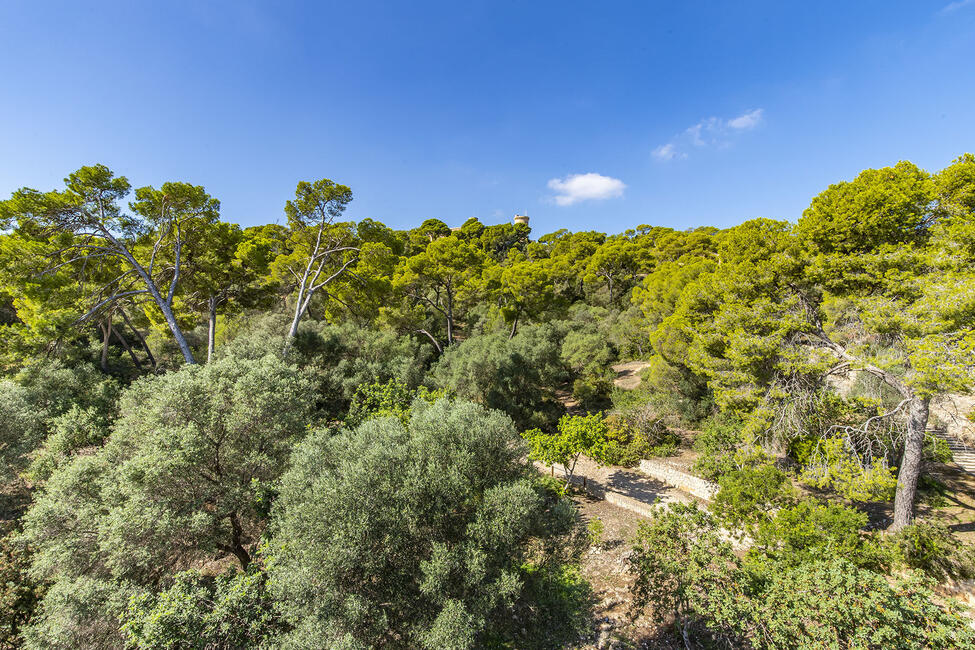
[(404, 535), (182, 479)]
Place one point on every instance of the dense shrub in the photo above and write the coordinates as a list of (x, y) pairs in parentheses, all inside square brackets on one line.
[(20, 592), (179, 481), (684, 567), (337, 359), (835, 604), (233, 610), (586, 352), (716, 445), (679, 560), (746, 497), (340, 358), (406, 535), (931, 548), (809, 531), (517, 376), (379, 400), (34, 399)]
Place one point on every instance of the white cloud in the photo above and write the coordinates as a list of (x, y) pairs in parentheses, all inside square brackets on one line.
[(747, 120), (665, 151), (585, 187), (710, 132), (955, 6)]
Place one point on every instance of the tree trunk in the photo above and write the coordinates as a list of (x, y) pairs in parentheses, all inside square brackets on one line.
[(164, 304), (237, 547), (167, 312), (450, 317), (106, 335), (293, 330), (514, 328), (211, 326), (142, 340), (128, 348), (910, 470)]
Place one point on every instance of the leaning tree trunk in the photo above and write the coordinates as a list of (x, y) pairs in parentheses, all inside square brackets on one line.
[(910, 470)]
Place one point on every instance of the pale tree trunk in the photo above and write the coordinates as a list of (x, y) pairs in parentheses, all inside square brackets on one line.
[(450, 316), (910, 469), (164, 304), (167, 311), (211, 326), (106, 327), (917, 422), (308, 284)]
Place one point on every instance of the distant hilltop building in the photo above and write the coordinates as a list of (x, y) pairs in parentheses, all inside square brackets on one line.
[(519, 218)]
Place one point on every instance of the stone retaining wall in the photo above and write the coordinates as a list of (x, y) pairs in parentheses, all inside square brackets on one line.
[(663, 471)]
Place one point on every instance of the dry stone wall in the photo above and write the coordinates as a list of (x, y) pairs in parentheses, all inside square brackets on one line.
[(667, 473)]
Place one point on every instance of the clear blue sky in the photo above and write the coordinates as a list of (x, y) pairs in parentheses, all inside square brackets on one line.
[(681, 113)]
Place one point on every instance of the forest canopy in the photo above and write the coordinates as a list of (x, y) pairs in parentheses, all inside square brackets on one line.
[(320, 434)]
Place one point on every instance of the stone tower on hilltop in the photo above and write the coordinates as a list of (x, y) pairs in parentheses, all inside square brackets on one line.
[(521, 218)]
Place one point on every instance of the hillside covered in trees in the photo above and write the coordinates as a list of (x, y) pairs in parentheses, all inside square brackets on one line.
[(324, 434)]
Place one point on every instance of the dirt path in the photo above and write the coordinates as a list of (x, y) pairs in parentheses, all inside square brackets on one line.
[(628, 374)]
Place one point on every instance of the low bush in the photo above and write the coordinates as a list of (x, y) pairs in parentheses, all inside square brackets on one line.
[(683, 567), (747, 497), (930, 547), (717, 445), (810, 531)]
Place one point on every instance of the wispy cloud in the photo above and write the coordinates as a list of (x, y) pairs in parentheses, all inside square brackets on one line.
[(955, 6), (747, 121), (585, 187), (667, 152), (710, 132)]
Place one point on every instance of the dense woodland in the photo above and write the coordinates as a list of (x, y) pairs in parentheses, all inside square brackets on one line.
[(318, 434)]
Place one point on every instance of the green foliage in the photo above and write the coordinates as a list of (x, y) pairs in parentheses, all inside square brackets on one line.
[(516, 375), (72, 431), (637, 428), (747, 496), (375, 400), (179, 481), (810, 531), (880, 206), (589, 356), (574, 436), (20, 592), (554, 609), (834, 604), (233, 610), (44, 398), (930, 547), (717, 445), (79, 613), (407, 535), (595, 528), (831, 465), (684, 567), (679, 560), (340, 358)]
